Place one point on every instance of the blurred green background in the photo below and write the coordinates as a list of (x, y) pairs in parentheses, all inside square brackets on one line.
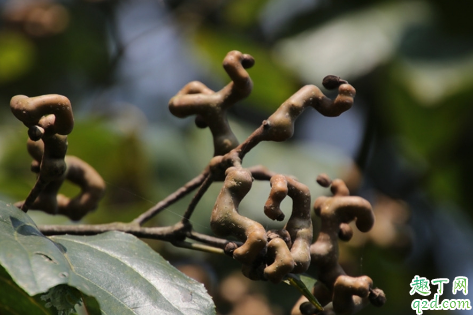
[(406, 146)]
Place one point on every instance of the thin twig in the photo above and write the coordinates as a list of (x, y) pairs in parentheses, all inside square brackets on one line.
[(172, 198), (175, 234), (34, 193), (209, 240), (200, 247), (167, 233), (190, 209), (252, 140)]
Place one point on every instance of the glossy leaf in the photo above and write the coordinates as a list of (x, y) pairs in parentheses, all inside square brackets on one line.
[(34, 262), (301, 283), (23, 303), (124, 274)]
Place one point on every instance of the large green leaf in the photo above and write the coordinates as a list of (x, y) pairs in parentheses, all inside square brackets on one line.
[(34, 262), (124, 274), (13, 300)]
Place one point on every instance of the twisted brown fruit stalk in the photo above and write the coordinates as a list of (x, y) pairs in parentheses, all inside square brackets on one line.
[(226, 220), (211, 107), (51, 112), (79, 173), (280, 125), (282, 262), (299, 224), (347, 294), (49, 119)]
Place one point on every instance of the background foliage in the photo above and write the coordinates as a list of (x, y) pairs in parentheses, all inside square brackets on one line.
[(409, 134)]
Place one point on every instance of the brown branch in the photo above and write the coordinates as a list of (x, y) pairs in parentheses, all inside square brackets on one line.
[(210, 240), (34, 193), (175, 234), (172, 198), (168, 233), (203, 188), (253, 140), (200, 247)]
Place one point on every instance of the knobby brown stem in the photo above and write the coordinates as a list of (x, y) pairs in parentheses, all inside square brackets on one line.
[(280, 125), (49, 120), (348, 294), (209, 107)]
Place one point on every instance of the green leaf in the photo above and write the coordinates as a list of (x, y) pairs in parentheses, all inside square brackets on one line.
[(124, 274), (128, 275), (308, 281), (35, 263), (13, 300), (301, 282)]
